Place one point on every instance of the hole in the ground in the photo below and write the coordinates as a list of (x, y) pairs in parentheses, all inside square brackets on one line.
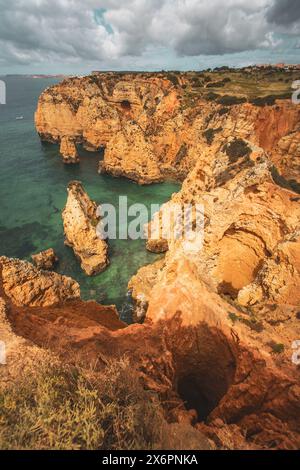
[(206, 371), (194, 399)]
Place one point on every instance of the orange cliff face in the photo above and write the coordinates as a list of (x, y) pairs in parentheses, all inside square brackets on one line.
[(219, 321), (278, 131), (152, 129), (189, 350), (230, 309)]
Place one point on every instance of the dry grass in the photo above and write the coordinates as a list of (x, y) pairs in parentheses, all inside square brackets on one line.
[(62, 407)]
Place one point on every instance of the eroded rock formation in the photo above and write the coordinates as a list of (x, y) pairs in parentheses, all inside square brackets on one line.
[(45, 259), (68, 151), (156, 127), (251, 232), (26, 285), (238, 388), (221, 311), (231, 306), (82, 230)]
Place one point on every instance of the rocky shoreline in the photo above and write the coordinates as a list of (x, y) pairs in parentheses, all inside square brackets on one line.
[(217, 324)]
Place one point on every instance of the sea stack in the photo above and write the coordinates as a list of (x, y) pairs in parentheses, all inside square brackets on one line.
[(68, 151), (80, 221)]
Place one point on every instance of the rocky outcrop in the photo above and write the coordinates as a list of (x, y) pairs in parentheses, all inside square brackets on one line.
[(278, 280), (221, 310), (20, 355), (238, 386), (82, 227), (32, 304), (250, 249), (26, 285), (68, 151), (45, 259), (229, 305), (278, 131), (235, 369), (156, 127)]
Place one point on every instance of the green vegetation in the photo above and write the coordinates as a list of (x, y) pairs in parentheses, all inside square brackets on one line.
[(63, 407), (291, 185), (228, 100), (233, 317), (223, 111), (269, 100), (173, 78), (277, 348), (237, 149), (251, 322), (182, 152), (209, 134), (229, 87)]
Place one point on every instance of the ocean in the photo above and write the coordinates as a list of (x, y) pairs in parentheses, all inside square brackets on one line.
[(33, 192)]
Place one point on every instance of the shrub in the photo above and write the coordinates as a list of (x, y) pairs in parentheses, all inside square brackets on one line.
[(269, 100), (211, 96), (233, 317), (220, 83), (291, 185), (182, 152), (237, 149), (209, 134), (64, 407), (223, 111), (173, 78), (215, 84), (277, 348), (197, 82), (228, 100)]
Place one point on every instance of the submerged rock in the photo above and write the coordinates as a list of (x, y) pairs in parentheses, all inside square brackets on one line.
[(81, 228), (45, 259)]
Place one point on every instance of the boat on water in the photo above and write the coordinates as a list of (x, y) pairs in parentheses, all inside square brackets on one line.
[(19, 118)]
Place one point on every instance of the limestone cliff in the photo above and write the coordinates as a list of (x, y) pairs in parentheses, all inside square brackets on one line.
[(221, 311), (240, 387), (82, 230), (156, 127), (251, 231), (230, 309)]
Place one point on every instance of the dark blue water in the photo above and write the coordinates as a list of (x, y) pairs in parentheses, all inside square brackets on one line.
[(33, 183)]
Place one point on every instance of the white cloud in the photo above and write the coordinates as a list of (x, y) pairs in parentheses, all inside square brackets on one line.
[(33, 31)]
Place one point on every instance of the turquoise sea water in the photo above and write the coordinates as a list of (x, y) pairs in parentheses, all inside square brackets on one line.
[(33, 183)]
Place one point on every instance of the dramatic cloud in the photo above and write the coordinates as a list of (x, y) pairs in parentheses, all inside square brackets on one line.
[(284, 12), (286, 15), (106, 31)]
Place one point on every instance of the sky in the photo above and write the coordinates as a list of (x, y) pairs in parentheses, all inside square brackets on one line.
[(78, 36)]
